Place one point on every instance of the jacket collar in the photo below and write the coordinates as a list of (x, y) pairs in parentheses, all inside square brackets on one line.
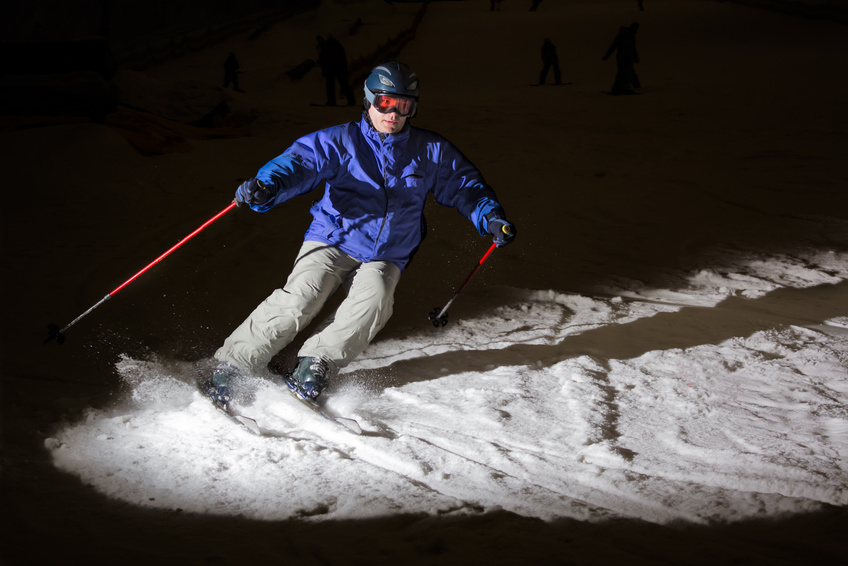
[(370, 133)]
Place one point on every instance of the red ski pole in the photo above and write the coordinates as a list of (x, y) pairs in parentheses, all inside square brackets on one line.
[(439, 316), (58, 333)]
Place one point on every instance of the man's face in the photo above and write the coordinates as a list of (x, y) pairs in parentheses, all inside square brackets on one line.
[(390, 123)]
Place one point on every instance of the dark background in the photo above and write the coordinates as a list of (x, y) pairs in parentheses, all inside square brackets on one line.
[(738, 139)]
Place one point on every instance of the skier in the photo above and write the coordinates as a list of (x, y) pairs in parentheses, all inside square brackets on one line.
[(624, 46), (549, 59), (231, 72), (377, 173), (332, 59)]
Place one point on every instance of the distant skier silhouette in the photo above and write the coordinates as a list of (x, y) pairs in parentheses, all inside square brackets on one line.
[(231, 73), (549, 59), (333, 61), (624, 46)]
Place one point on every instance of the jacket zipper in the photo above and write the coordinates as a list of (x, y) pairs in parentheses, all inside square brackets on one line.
[(386, 193)]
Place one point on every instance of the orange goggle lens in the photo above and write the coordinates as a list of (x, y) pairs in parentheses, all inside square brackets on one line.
[(386, 104)]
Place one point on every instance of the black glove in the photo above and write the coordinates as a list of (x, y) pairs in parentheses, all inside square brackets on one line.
[(502, 231), (254, 192)]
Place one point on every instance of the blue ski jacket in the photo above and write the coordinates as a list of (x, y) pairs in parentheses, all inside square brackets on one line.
[(376, 186)]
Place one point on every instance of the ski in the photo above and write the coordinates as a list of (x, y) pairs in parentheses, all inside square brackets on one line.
[(241, 420), (227, 411), (252, 426), (350, 425)]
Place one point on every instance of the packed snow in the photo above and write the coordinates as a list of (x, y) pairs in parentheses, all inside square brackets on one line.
[(748, 427)]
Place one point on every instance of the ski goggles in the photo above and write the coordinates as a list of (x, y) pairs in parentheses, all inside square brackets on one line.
[(386, 104)]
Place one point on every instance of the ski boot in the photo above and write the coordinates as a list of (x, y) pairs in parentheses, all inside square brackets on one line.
[(309, 378), (218, 387)]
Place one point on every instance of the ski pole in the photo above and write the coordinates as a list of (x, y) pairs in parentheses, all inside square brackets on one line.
[(59, 333), (439, 316)]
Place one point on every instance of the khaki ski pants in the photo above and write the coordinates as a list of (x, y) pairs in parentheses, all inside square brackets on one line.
[(320, 269)]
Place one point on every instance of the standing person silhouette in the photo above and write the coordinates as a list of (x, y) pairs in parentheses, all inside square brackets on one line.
[(231, 72), (333, 62), (624, 46), (549, 59)]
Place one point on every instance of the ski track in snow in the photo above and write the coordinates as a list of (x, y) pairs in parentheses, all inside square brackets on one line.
[(748, 427)]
